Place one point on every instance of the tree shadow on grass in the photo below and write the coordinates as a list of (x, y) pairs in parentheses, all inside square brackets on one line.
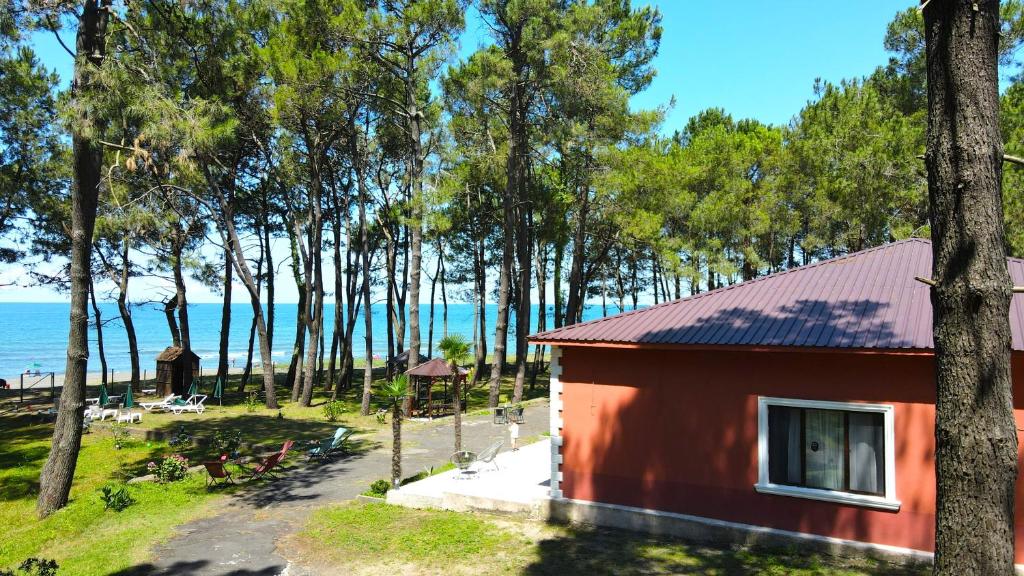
[(194, 568), (593, 551)]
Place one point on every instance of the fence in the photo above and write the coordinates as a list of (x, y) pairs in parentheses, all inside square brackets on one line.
[(38, 377)]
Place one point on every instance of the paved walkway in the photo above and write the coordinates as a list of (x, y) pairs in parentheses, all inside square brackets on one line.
[(514, 483), (241, 540)]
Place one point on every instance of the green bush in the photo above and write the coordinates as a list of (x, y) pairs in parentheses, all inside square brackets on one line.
[(33, 567), (379, 489), (180, 439), (333, 410), (171, 469), (122, 437), (226, 442), (252, 402), (116, 499)]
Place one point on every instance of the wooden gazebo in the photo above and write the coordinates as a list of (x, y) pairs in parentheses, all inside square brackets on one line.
[(426, 399), (175, 370)]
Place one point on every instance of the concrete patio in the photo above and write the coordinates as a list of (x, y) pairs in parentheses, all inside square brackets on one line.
[(518, 486)]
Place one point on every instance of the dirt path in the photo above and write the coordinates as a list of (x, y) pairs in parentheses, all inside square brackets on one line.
[(241, 540)]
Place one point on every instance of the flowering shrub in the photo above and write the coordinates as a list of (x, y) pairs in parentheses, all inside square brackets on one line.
[(181, 439), (171, 469)]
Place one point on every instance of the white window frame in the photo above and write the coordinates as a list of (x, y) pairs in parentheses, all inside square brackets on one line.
[(886, 502)]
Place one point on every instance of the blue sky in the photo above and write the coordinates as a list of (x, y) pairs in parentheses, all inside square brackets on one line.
[(755, 59)]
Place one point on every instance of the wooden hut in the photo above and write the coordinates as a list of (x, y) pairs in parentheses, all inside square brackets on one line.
[(432, 393), (175, 370)]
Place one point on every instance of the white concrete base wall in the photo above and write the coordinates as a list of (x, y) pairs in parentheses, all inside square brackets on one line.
[(556, 421), (718, 532)]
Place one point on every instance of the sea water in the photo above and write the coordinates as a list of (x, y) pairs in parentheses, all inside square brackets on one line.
[(34, 336)]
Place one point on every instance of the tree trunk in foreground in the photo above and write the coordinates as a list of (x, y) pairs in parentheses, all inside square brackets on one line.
[(87, 157), (975, 433)]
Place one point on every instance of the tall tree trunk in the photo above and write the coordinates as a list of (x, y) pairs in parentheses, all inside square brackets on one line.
[(414, 117), (541, 264), (351, 304), (430, 323), (247, 366), (172, 323), (225, 322), (294, 379), (444, 300), (396, 443), (401, 295), (457, 393), (247, 370), (268, 279), (339, 293), (99, 332), (524, 249), (654, 278), (316, 311), (229, 236), (556, 279), (181, 300), (359, 159), (390, 313), (87, 162), (577, 288), (126, 317), (501, 323), (975, 431), (480, 268)]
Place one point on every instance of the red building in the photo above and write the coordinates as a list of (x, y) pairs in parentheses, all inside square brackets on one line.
[(797, 406)]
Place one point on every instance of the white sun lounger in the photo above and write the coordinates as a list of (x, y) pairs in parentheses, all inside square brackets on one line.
[(161, 405), (193, 404)]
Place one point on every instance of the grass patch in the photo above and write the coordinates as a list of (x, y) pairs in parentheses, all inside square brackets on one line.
[(376, 539), (83, 537), (350, 537)]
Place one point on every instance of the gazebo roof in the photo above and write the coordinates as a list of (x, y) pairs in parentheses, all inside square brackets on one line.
[(434, 368)]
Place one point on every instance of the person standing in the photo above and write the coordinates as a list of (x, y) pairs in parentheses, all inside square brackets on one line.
[(513, 434)]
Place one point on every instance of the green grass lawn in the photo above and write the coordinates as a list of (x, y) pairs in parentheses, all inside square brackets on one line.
[(381, 539), (84, 538)]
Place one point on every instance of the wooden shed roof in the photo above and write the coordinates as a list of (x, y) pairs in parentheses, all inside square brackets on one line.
[(172, 353)]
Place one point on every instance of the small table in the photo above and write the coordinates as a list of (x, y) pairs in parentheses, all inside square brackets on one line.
[(115, 412), (129, 416)]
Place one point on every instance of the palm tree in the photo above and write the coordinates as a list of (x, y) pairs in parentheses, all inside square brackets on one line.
[(396, 391), (455, 349)]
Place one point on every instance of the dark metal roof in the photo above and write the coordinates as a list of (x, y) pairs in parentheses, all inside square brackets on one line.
[(868, 299)]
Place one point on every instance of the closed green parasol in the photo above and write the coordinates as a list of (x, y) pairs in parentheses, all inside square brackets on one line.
[(218, 391), (193, 389), (104, 398), (128, 401)]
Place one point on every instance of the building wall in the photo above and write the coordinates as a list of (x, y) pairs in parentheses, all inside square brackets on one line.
[(676, 430)]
